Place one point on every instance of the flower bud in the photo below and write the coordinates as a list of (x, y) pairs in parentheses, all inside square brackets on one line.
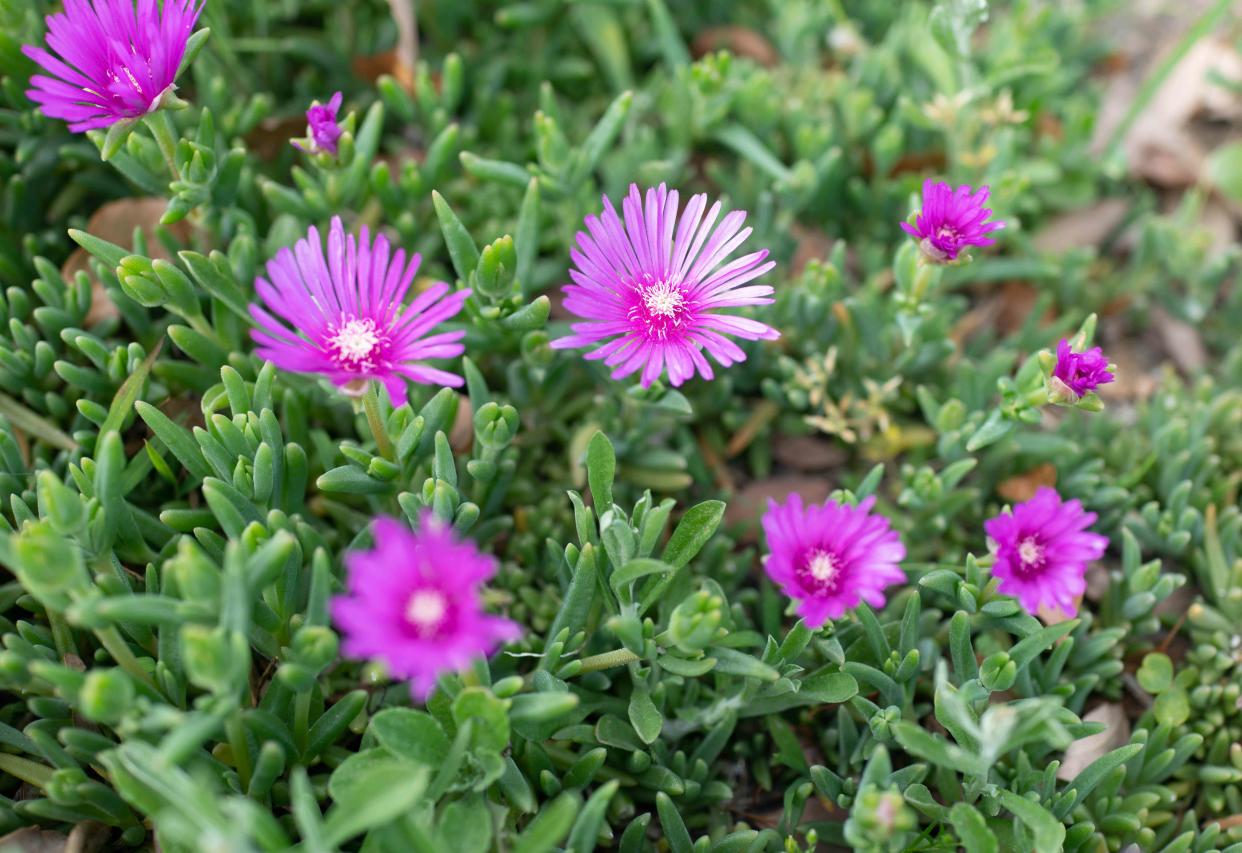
[(695, 621), (998, 672), (106, 695)]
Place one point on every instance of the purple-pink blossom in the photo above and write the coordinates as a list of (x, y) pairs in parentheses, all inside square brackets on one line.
[(110, 60), (322, 131), (343, 314), (951, 220), (1042, 551), (1081, 372), (648, 285), (830, 557), (414, 603)]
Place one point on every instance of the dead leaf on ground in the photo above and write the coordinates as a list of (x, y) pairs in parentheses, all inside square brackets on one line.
[(1022, 487), (1181, 341), (807, 452), (32, 839), (88, 837), (739, 41), (812, 245), (115, 222), (1087, 226), (1098, 582), (1133, 379), (271, 137), (1160, 145), (752, 501), (461, 436), (1082, 752)]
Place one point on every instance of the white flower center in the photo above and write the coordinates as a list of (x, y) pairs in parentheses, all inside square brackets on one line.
[(355, 342), (425, 609), (664, 299), (822, 566), (1030, 551)]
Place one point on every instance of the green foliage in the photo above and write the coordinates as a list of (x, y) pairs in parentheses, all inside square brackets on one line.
[(174, 512)]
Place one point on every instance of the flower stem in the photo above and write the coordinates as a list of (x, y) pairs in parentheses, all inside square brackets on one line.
[(371, 405), (607, 660), (161, 128)]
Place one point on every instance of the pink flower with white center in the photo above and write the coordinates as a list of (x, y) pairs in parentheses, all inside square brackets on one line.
[(344, 315), (649, 284), (830, 557), (1042, 551), (110, 60), (413, 602), (951, 221)]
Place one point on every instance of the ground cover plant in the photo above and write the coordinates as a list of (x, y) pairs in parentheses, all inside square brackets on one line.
[(711, 425)]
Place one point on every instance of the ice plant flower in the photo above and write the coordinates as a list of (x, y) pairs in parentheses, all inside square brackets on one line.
[(322, 131), (950, 221), (649, 284), (110, 60), (413, 602), (344, 315), (1042, 550), (1079, 373), (829, 557)]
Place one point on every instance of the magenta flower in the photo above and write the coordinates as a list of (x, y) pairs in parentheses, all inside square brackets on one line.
[(830, 557), (112, 61), (413, 603), (1080, 373), (648, 287), (1042, 551), (344, 316), (950, 221), (322, 131)]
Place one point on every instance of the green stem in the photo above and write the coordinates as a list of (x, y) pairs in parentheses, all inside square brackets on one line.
[(120, 651), (241, 750), (161, 128), (62, 635), (301, 719), (371, 405), (607, 660)]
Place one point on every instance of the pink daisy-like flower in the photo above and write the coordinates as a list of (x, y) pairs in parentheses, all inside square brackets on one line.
[(950, 221), (830, 557), (322, 131), (648, 286), (343, 315), (1042, 551), (1080, 372), (113, 60), (413, 602)]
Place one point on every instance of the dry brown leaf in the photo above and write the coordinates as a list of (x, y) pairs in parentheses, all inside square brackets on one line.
[(752, 501), (807, 452), (271, 137), (1181, 341), (461, 436), (115, 222), (1022, 487), (88, 837), (32, 839), (1082, 752), (813, 245), (1160, 145), (1133, 380), (1087, 226), (739, 41)]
